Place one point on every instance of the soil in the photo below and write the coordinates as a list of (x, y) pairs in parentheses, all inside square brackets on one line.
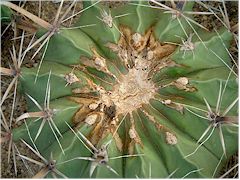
[(48, 11)]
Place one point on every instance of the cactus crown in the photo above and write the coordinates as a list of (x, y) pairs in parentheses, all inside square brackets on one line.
[(135, 91)]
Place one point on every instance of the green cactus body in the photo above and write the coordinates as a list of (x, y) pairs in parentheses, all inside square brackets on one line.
[(6, 14), (134, 94)]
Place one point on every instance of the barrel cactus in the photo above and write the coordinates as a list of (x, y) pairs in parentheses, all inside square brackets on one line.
[(131, 92)]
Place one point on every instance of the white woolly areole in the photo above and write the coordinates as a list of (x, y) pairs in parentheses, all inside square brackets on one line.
[(171, 138), (91, 119)]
